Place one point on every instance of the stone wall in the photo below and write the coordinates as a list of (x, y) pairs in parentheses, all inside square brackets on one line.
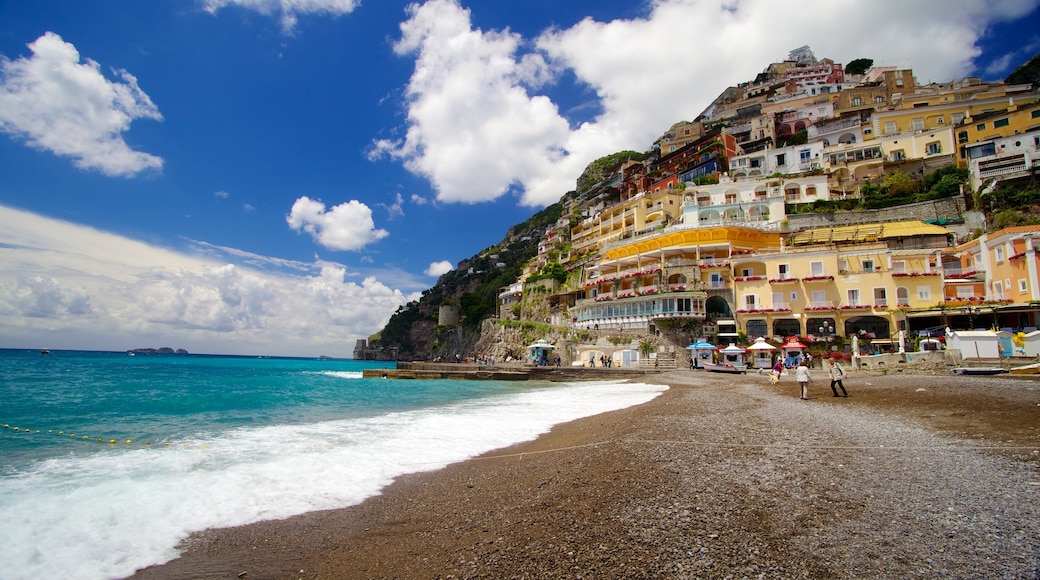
[(950, 209)]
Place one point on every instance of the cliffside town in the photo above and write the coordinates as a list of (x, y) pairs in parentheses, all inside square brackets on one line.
[(816, 201)]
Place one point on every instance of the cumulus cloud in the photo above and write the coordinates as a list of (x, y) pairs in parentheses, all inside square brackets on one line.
[(474, 129), (480, 121), (56, 103), (107, 291), (288, 11), (439, 268), (347, 226)]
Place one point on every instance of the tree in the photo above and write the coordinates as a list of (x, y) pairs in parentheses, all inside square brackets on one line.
[(859, 66)]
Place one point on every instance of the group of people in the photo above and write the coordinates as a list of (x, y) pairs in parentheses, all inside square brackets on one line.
[(803, 377), (604, 361)]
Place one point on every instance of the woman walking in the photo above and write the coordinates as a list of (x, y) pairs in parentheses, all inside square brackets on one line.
[(801, 374)]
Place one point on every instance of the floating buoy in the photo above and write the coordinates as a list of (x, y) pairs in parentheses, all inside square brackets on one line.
[(110, 441), (128, 441)]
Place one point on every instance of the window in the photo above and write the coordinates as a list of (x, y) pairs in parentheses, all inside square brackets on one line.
[(816, 268), (868, 266), (879, 100), (940, 120), (1023, 286), (999, 250), (917, 124), (902, 296), (750, 301), (781, 160), (890, 127), (998, 290), (898, 155), (810, 190), (933, 148), (965, 292), (980, 127), (853, 297), (1035, 114), (784, 270), (1001, 123), (778, 300), (805, 156), (899, 266), (956, 118), (925, 293), (962, 137), (745, 272), (881, 296), (857, 102), (819, 298)]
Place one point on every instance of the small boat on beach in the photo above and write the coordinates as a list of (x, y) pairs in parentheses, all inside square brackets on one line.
[(726, 368), (978, 371)]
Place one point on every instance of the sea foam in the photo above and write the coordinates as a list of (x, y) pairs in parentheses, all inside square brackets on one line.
[(107, 514)]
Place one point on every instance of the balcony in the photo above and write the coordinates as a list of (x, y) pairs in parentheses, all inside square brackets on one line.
[(825, 305), (748, 278), (818, 279), (783, 280)]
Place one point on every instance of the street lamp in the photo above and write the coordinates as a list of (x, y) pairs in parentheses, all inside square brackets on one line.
[(972, 310), (827, 329)]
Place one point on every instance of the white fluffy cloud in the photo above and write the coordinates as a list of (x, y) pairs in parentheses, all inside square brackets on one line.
[(474, 129), (439, 268), (477, 127), (69, 286), (347, 226), (287, 10), (57, 103)]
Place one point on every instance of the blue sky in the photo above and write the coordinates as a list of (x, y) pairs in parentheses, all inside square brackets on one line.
[(277, 177)]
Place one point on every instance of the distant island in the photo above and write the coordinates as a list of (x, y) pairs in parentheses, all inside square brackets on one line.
[(163, 350)]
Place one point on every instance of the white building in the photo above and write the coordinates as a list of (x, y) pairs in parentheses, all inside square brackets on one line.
[(1002, 158)]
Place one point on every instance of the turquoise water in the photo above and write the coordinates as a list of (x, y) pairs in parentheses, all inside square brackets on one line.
[(213, 441)]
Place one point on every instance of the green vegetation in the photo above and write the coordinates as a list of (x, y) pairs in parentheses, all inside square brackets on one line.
[(1027, 74), (596, 171), (899, 187), (859, 66), (799, 138)]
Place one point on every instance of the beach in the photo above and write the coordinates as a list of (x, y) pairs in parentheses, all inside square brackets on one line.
[(722, 475)]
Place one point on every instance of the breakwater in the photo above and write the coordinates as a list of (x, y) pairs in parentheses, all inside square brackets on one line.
[(470, 371)]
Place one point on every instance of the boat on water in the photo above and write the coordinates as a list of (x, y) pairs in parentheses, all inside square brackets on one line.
[(978, 371), (45, 351)]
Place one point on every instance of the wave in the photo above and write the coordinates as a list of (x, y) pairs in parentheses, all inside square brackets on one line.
[(106, 515)]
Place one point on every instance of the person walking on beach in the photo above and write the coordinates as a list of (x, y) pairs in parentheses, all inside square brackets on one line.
[(778, 369), (801, 374), (837, 375)]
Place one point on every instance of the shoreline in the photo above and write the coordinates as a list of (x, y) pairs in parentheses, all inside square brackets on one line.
[(675, 487)]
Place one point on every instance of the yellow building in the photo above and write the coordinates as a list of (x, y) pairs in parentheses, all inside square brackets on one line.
[(994, 281), (848, 280), (972, 120), (983, 126), (644, 212)]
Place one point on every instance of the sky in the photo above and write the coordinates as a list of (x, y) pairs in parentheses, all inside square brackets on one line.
[(277, 177)]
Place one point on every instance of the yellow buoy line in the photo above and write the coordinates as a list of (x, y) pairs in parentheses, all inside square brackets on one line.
[(87, 438)]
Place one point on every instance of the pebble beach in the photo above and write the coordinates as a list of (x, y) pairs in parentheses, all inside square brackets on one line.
[(913, 475)]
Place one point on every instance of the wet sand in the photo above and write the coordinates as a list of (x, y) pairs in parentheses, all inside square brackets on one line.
[(721, 475)]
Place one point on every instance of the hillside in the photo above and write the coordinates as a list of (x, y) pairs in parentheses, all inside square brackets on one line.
[(471, 289)]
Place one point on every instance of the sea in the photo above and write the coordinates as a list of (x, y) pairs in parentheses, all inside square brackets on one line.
[(108, 460)]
